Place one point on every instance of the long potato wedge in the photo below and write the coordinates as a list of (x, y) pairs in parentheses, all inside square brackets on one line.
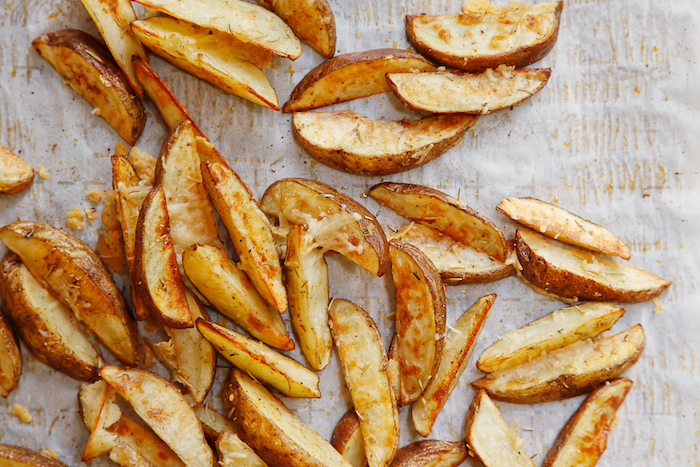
[(459, 344), (431, 453), (235, 453), (364, 361), (22, 457), (15, 173), (10, 358), (347, 439), (311, 20)]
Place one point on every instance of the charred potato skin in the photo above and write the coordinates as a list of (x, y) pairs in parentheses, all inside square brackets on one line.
[(291, 17), (426, 452), (17, 455)]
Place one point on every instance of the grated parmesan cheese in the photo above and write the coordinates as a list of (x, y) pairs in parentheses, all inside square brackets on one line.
[(43, 173), (74, 219), (22, 413)]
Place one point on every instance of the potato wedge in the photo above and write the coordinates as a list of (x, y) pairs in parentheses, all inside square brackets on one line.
[(489, 437), (264, 364), (567, 372), (165, 410), (235, 453), (579, 274), (311, 20), (47, 328), (459, 344), (91, 399), (364, 362), (15, 174), (17, 456), (360, 145), (351, 76), (91, 71), (74, 274), (207, 54), (482, 36), (245, 21), (307, 288), (147, 446), (550, 332), (562, 225), (10, 358), (585, 436), (420, 319), (101, 441), (347, 439), (431, 453), (444, 213), (336, 221), (265, 424), (232, 294), (480, 93), (213, 423)]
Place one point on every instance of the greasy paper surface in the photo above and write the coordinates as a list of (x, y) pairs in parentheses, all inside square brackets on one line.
[(613, 137)]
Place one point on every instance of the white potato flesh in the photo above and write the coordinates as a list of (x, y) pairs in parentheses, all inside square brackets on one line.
[(235, 453), (213, 423), (141, 440), (92, 397), (101, 441)]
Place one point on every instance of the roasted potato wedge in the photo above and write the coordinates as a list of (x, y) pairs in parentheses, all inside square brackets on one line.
[(230, 291), (48, 329), (364, 363), (550, 332), (235, 453), (245, 21), (213, 423), (15, 174), (91, 71), (483, 35), (580, 274), (335, 221), (489, 437), (420, 319), (10, 357), (567, 372), (165, 410), (585, 436), (431, 453), (562, 225), (444, 213), (481, 93), (265, 424), (207, 54), (459, 344), (17, 456), (311, 20), (360, 145), (347, 439), (101, 441), (74, 274), (351, 76)]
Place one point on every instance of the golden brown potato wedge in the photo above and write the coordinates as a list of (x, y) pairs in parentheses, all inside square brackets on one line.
[(562, 225), (459, 344), (265, 424), (230, 291), (489, 437), (15, 174), (235, 453), (101, 441), (17, 456), (213, 423), (431, 453), (444, 213), (311, 20), (10, 358), (336, 221), (585, 436), (579, 274), (347, 439), (364, 362), (481, 93), (245, 21), (351, 76), (360, 145), (567, 372), (420, 319), (91, 71), (73, 273), (483, 35), (550, 332)]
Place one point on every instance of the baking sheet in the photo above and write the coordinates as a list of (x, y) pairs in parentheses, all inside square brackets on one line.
[(612, 137)]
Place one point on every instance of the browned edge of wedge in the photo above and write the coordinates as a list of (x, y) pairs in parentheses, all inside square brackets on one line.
[(431, 453), (17, 456)]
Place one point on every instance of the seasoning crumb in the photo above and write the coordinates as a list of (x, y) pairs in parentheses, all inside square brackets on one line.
[(22, 413), (43, 173)]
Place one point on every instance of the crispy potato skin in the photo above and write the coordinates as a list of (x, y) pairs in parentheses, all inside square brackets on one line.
[(15, 174), (312, 21), (347, 429), (431, 452), (18, 456), (12, 359)]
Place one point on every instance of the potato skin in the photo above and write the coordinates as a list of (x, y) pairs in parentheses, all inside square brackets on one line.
[(303, 18), (9, 341), (17, 169), (343, 431), (427, 452), (9, 455)]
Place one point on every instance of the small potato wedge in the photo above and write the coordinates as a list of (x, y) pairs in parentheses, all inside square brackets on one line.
[(420, 319), (364, 363), (585, 436), (235, 453), (101, 441), (213, 423), (580, 274), (550, 332), (91, 71), (10, 358), (448, 92), (15, 174), (562, 225), (75, 275), (352, 76), (489, 437), (360, 145), (165, 410), (567, 372), (459, 344), (230, 291), (265, 424), (335, 221), (142, 444), (443, 213), (17, 456), (245, 21), (431, 453), (347, 439), (484, 36), (48, 329), (311, 20), (264, 364)]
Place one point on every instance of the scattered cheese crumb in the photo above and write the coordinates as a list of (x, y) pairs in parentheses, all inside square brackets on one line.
[(658, 305), (48, 452), (90, 214), (291, 70), (95, 111), (94, 195), (74, 219), (22, 413), (144, 165), (43, 173)]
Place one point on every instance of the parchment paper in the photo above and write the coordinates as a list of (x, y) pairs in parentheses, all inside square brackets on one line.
[(613, 137)]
